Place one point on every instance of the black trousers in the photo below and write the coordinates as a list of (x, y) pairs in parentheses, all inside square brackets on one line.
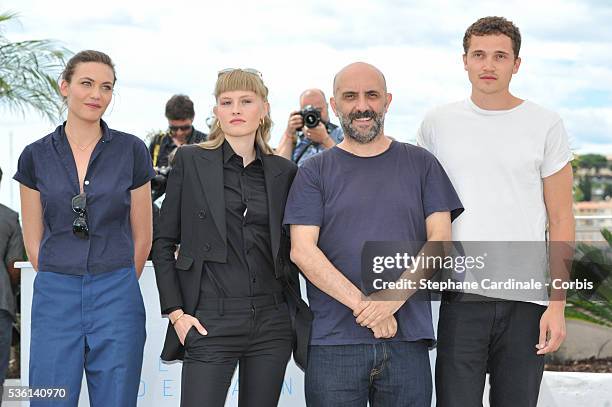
[(497, 337), (254, 333)]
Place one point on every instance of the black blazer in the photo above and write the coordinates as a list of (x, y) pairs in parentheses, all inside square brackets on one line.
[(193, 215)]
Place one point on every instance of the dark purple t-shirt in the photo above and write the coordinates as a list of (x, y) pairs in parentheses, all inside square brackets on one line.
[(357, 199)]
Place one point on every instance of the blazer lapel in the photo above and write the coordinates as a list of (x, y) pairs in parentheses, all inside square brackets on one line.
[(210, 173), (275, 202)]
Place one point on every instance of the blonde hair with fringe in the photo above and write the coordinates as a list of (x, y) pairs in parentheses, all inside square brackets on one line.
[(238, 79)]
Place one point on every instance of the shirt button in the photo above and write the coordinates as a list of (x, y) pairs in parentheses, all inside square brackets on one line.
[(207, 247), (86, 182)]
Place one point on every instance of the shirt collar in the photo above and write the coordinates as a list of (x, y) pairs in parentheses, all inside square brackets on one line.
[(60, 132), (228, 152), (191, 136), (188, 140)]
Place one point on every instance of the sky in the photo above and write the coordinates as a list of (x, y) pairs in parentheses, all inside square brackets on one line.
[(165, 47)]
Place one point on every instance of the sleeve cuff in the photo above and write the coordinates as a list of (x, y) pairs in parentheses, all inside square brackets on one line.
[(550, 170), (454, 213), (142, 182), (169, 310), (19, 177)]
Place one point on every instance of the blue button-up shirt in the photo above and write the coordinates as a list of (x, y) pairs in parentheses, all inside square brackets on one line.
[(119, 163), (305, 148)]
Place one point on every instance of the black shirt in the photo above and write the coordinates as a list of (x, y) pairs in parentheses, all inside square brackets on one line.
[(249, 270)]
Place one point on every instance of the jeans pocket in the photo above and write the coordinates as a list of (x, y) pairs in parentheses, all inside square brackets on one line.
[(136, 290), (36, 281)]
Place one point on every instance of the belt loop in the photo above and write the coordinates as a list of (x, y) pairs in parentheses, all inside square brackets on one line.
[(221, 310)]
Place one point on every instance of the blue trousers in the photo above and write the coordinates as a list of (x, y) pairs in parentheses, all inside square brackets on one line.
[(385, 374), (94, 323)]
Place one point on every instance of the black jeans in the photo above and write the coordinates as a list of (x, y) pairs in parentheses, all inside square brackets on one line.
[(252, 332), (497, 337)]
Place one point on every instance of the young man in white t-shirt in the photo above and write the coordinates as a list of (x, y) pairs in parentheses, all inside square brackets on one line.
[(509, 160)]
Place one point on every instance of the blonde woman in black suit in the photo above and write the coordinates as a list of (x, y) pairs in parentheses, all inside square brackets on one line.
[(232, 293)]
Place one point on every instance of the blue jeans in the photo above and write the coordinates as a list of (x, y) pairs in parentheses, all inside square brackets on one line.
[(94, 323), (6, 334), (386, 374)]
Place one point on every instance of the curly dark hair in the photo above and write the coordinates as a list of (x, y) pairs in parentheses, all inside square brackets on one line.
[(179, 107), (493, 26)]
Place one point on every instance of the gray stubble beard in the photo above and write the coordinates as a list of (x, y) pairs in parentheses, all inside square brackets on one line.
[(345, 122)]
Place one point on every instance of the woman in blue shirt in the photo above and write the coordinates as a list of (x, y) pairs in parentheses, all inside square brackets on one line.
[(86, 208)]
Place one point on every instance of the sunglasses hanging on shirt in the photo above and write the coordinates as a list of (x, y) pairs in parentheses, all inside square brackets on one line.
[(79, 206)]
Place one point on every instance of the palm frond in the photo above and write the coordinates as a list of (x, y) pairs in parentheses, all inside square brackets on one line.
[(29, 72), (7, 15)]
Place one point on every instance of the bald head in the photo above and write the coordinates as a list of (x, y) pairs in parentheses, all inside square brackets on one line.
[(314, 92), (361, 101), (316, 98), (356, 71)]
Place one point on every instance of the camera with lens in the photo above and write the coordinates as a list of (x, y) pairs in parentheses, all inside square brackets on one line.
[(158, 183), (311, 116)]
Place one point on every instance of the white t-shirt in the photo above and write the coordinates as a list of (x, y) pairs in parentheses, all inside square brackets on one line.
[(496, 160)]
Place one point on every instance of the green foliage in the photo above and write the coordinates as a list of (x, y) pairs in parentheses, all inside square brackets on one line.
[(591, 164), (28, 74), (607, 191), (596, 161), (586, 185), (607, 235), (572, 313), (594, 263), (575, 163)]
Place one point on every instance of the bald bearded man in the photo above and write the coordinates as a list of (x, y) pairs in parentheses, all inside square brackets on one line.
[(367, 188)]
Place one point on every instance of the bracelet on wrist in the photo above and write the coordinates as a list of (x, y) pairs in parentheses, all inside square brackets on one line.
[(177, 318)]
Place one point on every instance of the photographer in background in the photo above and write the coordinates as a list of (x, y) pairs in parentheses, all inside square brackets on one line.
[(309, 130), (180, 114), (11, 250)]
